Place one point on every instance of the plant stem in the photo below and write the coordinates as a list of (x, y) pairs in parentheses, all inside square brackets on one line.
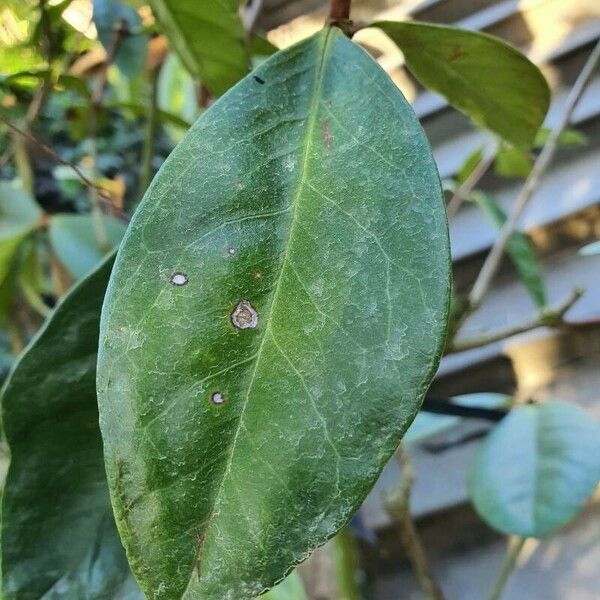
[(151, 123), (339, 10), (464, 190), (397, 504), (494, 258), (550, 317), (508, 567), (346, 564)]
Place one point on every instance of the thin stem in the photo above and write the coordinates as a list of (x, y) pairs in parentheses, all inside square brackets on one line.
[(551, 317), (104, 194), (463, 192), (397, 505), (339, 10), (508, 567), (494, 258), (151, 123)]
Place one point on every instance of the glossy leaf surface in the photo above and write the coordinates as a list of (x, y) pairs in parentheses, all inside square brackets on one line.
[(536, 469), (209, 37), (59, 539), (519, 250), (262, 346), (510, 98), (75, 241)]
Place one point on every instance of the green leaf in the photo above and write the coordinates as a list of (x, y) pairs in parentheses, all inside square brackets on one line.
[(59, 539), (519, 250), (568, 138), (469, 165), (590, 249), (209, 37), (270, 297), (513, 162), (536, 469), (481, 75), (291, 588), (19, 216), (75, 242), (132, 49)]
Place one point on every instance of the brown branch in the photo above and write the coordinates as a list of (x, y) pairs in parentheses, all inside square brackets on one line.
[(494, 258), (397, 505), (551, 317), (339, 10), (463, 191), (103, 193)]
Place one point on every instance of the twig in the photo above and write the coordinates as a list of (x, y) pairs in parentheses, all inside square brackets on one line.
[(516, 545), (397, 505), (494, 258), (550, 317), (339, 10), (103, 193), (463, 192), (151, 122)]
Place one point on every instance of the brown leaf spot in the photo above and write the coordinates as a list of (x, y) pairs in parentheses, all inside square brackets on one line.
[(456, 53), (327, 135), (244, 316)]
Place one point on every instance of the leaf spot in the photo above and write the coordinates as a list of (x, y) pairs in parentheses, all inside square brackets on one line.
[(327, 135), (244, 316), (217, 398), (258, 79), (231, 251), (456, 53), (179, 279)]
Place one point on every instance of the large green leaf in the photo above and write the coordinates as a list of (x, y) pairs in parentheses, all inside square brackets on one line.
[(490, 81), (519, 249), (59, 539), (536, 469), (209, 37), (75, 241), (262, 345)]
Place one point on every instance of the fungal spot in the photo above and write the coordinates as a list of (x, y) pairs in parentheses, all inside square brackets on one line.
[(179, 279), (258, 79), (244, 316), (456, 53), (327, 135), (257, 275), (231, 251), (217, 398)]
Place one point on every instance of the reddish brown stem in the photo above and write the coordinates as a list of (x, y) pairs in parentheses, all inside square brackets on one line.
[(339, 10)]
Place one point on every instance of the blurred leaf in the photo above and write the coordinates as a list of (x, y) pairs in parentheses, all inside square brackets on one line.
[(469, 165), (590, 249), (131, 52), (291, 588), (429, 424), (568, 138), (536, 469), (163, 117), (74, 240), (32, 281), (519, 250), (59, 539), (19, 216), (209, 38), (483, 76), (512, 162)]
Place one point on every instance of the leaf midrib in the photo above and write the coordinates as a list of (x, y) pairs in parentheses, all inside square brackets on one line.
[(308, 140)]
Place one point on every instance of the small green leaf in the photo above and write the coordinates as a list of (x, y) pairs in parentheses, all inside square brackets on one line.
[(133, 47), (568, 138), (75, 241), (291, 588), (59, 539), (590, 249), (513, 162), (270, 298), (519, 250), (537, 468), (209, 37), (19, 216), (483, 76), (469, 165)]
